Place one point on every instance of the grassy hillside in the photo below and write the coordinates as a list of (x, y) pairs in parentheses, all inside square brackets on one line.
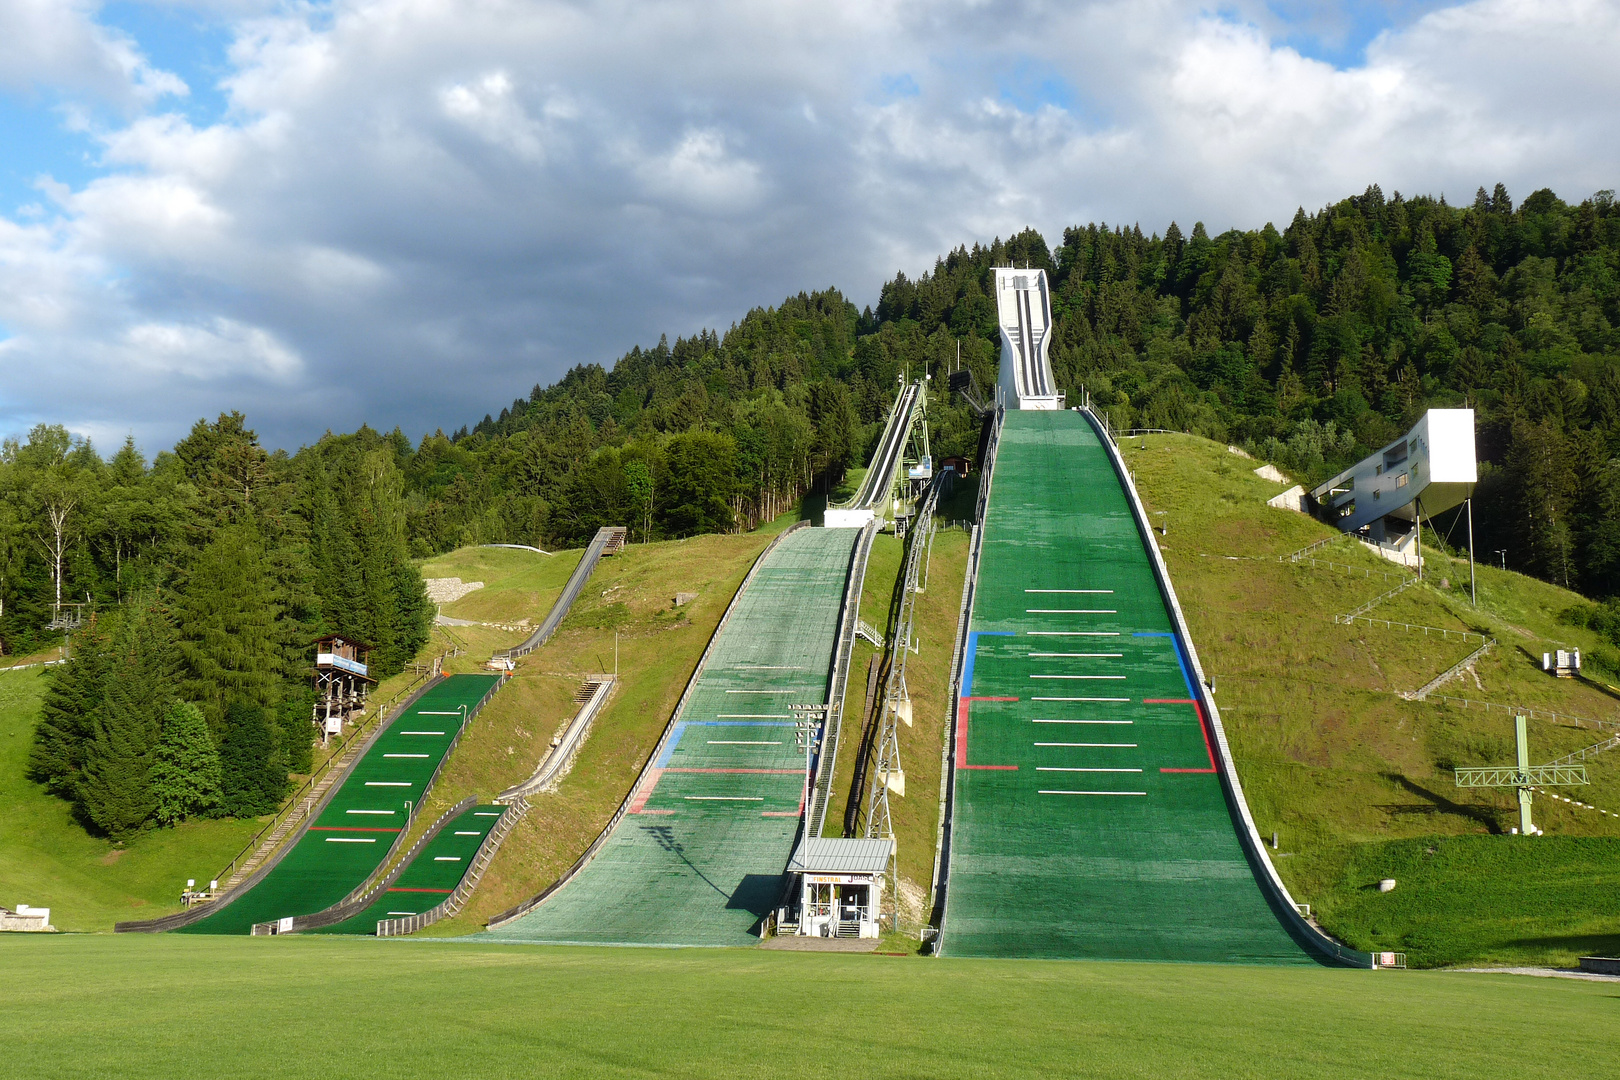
[(48, 860), (312, 1007), (1340, 767)]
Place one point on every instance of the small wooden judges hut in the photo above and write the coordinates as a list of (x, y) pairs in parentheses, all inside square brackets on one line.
[(342, 681)]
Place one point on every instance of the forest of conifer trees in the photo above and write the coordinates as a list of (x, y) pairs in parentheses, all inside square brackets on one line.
[(211, 567)]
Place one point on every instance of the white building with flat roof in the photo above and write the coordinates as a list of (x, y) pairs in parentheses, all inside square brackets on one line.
[(1429, 469)]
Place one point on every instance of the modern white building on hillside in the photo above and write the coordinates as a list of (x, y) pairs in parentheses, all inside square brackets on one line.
[(1024, 309), (1429, 469)]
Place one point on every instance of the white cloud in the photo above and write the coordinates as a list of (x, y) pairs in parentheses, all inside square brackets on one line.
[(57, 44), (413, 209)]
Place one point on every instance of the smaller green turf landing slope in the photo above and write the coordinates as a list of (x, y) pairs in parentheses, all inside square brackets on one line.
[(431, 876), (699, 856), (353, 835), (1088, 820)]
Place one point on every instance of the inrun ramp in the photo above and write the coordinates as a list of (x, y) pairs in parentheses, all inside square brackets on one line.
[(698, 856), (431, 875), (360, 824), (1088, 817)]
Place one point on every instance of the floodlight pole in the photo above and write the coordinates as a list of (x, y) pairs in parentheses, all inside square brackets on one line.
[(1473, 595)]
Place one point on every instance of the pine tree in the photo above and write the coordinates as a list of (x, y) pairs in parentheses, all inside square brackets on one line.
[(229, 638), (67, 717), (116, 790), (253, 777), (185, 775)]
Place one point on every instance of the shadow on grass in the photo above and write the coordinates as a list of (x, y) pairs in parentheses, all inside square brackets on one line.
[(1584, 944), (1440, 804)]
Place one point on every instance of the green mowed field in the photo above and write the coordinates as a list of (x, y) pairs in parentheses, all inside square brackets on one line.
[(133, 1007)]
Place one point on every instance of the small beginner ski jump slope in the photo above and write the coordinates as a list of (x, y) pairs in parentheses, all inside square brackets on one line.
[(354, 834), (697, 859), (430, 878), (1089, 819)]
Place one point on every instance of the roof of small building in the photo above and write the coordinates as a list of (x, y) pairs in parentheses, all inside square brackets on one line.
[(345, 638), (830, 855)]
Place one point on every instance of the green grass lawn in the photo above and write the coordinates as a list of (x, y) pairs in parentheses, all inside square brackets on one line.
[(48, 860), (133, 1007), (1353, 778)]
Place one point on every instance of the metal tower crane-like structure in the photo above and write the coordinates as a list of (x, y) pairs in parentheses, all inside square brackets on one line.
[(1522, 777)]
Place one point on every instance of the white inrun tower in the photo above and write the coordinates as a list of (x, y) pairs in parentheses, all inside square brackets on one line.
[(1024, 309)]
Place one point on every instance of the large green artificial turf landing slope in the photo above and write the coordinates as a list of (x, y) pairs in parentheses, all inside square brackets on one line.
[(1089, 820), (698, 857), (350, 839)]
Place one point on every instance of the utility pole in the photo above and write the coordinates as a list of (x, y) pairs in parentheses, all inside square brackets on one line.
[(1473, 595)]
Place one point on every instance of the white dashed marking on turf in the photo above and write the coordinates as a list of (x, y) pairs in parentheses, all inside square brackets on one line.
[(452, 712), (371, 811), (1071, 633), (402, 913), (388, 783), (1057, 768), (482, 813), (350, 840), (752, 716), (743, 742), (1113, 677), (1079, 699), (1069, 611), (447, 858), (1099, 592), (1087, 744), (421, 733), (1083, 721), (468, 832), (404, 755), (1078, 655), (1045, 791)]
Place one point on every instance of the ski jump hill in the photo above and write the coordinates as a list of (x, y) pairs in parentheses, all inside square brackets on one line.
[(1094, 811), (697, 853)]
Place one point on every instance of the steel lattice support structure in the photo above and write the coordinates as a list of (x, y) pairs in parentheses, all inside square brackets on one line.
[(1523, 776), (888, 775)]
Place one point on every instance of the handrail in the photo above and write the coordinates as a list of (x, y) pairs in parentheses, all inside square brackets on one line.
[(1450, 673), (519, 910), (942, 856), (843, 653), (452, 904), (571, 590), (1284, 905), (548, 773)]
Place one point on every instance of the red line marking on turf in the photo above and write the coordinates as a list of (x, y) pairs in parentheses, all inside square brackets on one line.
[(348, 828), (423, 890), (655, 811), (1203, 729), (768, 772), (646, 790), (962, 705)]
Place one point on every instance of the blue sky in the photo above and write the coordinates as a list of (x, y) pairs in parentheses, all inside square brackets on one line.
[(410, 211)]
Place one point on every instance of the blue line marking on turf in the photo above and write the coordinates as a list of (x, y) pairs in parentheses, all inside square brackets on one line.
[(1181, 657), (669, 748), (972, 652)]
